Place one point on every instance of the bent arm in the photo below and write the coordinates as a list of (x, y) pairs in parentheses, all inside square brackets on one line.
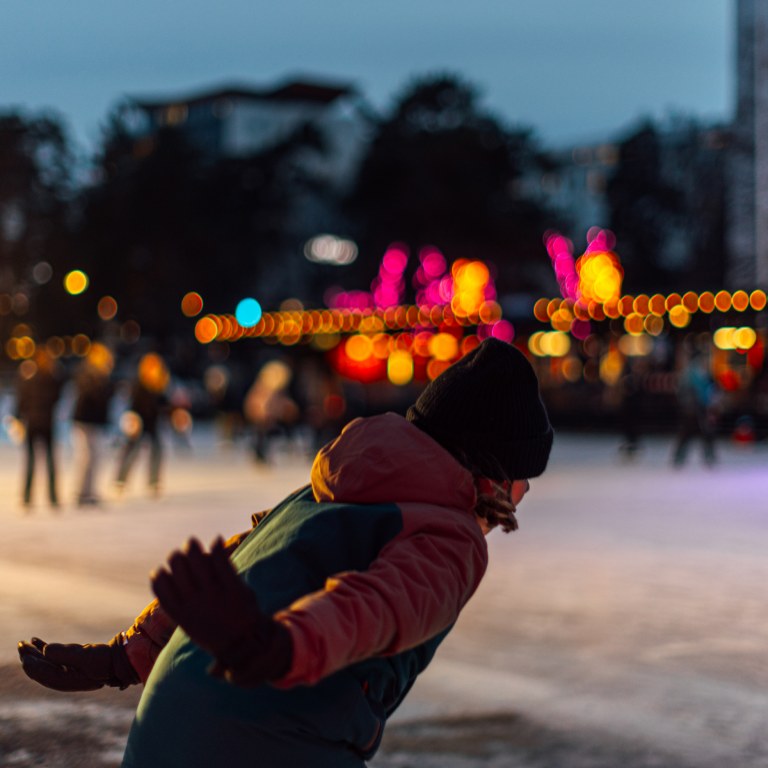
[(413, 590), (153, 627)]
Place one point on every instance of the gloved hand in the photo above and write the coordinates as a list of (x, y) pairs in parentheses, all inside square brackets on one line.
[(203, 593), (73, 667)]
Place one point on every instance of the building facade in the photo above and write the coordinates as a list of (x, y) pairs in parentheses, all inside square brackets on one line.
[(233, 121), (748, 172)]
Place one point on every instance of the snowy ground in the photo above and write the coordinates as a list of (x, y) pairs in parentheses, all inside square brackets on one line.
[(624, 624)]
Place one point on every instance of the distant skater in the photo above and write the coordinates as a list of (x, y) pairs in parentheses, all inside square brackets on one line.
[(94, 389), (142, 423), (38, 389), (632, 410), (696, 393)]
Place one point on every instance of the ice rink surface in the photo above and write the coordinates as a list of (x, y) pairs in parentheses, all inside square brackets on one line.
[(631, 602)]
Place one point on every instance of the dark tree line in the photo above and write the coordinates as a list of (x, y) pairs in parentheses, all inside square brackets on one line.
[(666, 200), (159, 218), (441, 171)]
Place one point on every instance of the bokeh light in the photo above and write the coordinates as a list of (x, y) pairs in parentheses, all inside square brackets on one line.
[(679, 316), (42, 272), (329, 249), (400, 367), (75, 282), (153, 373), (757, 300), (248, 312), (206, 330), (443, 346), (107, 308), (600, 276), (359, 348), (192, 304)]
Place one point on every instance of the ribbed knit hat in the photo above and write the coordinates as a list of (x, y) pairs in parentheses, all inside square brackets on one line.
[(487, 411)]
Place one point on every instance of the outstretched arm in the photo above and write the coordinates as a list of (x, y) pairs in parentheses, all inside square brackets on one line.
[(73, 667), (125, 660)]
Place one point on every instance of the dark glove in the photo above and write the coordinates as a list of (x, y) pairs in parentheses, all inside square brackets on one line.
[(202, 592), (75, 667)]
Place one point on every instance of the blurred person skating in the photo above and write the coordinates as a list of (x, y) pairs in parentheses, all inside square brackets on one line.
[(268, 406), (697, 410), (292, 643), (93, 392), (38, 389), (141, 423), (632, 408)]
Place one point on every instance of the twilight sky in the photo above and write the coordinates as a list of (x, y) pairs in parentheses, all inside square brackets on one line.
[(570, 69)]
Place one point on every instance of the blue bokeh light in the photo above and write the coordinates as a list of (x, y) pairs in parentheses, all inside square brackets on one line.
[(248, 313)]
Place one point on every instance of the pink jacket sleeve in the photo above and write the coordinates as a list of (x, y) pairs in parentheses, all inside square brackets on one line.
[(413, 590)]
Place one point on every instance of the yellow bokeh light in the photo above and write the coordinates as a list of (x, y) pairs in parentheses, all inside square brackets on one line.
[(400, 367), (443, 346), (600, 276), (75, 282), (554, 344), (745, 338), (679, 316), (723, 338), (359, 348), (470, 279), (534, 343)]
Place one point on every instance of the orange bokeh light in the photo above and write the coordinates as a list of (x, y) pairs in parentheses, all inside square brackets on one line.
[(192, 304)]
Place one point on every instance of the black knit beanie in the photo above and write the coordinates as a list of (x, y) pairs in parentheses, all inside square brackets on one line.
[(487, 411)]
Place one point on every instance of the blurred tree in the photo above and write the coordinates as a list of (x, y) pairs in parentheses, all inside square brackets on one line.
[(701, 154), (667, 206), (645, 210), (162, 219), (441, 171), (36, 168)]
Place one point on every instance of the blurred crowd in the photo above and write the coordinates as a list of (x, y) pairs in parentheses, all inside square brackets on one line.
[(106, 412), (109, 414)]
